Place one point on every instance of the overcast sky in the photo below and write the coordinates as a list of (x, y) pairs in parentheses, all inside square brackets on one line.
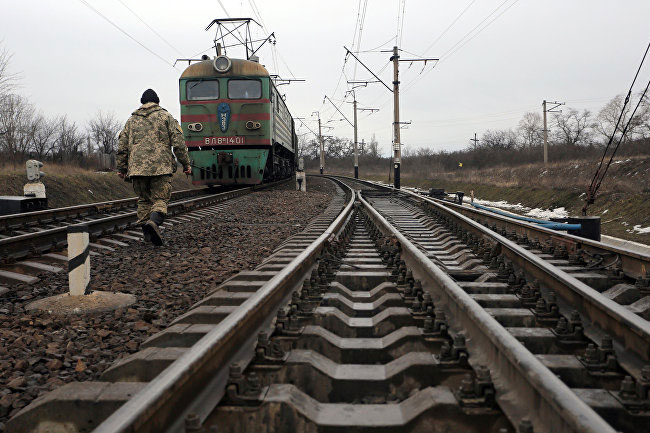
[(581, 52)]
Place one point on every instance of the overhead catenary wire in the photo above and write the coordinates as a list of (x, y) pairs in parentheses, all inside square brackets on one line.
[(444, 32), (150, 28), (89, 6), (483, 28), (618, 143), (362, 20), (400, 22), (598, 177), (464, 40)]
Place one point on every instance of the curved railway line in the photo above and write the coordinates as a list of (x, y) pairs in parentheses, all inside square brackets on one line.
[(392, 312)]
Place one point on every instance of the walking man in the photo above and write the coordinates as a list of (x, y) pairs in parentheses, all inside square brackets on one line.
[(145, 157)]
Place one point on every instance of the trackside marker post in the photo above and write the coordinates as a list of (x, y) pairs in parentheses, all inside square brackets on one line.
[(78, 259), (79, 299)]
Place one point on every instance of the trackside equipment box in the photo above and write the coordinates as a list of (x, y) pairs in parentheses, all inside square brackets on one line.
[(14, 204)]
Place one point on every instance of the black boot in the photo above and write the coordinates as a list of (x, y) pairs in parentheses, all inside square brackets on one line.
[(147, 233), (152, 227)]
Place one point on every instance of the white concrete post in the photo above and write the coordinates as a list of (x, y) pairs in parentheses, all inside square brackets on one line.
[(78, 259), (301, 181)]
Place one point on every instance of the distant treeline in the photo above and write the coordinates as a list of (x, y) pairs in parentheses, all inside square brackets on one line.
[(571, 135), (26, 133)]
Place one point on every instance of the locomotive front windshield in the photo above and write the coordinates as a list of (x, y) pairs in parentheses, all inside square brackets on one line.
[(202, 90), (244, 89)]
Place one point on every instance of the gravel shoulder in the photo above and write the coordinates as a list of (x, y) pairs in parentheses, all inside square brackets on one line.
[(39, 352)]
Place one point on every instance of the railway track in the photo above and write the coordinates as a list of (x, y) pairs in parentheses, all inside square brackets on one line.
[(390, 312), (30, 243), (530, 313)]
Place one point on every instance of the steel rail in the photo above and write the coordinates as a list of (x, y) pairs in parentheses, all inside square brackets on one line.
[(518, 374), (31, 219), (634, 264), (196, 381), (631, 331), (21, 246)]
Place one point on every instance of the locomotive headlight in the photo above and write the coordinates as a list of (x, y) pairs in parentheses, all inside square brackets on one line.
[(222, 64)]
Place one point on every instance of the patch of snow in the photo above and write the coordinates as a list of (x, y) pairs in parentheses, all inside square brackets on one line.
[(543, 173), (622, 161), (640, 230), (605, 211), (625, 223), (519, 208), (583, 194), (502, 204), (559, 212)]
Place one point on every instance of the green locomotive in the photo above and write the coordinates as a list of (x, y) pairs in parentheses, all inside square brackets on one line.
[(236, 125)]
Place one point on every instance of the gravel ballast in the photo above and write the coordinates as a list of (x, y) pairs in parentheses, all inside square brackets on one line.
[(39, 351)]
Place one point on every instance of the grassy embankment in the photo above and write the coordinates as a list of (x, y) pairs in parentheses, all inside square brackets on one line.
[(68, 185), (623, 200)]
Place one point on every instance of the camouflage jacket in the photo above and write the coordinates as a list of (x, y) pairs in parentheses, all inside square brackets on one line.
[(146, 141)]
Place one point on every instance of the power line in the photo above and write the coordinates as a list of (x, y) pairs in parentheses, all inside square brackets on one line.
[(454, 49), (486, 26), (449, 27), (461, 40), (150, 28), (598, 178), (360, 34), (401, 26), (376, 48), (126, 33)]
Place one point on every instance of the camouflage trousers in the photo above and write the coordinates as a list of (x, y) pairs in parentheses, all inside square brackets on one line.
[(154, 193)]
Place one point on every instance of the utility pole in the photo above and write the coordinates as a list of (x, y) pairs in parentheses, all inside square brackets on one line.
[(397, 148), (320, 142), (397, 144), (397, 151), (549, 110), (475, 140), (322, 147), (356, 149), (354, 125)]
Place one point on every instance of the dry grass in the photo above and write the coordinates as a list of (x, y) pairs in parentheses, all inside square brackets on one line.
[(49, 168), (625, 175), (68, 185)]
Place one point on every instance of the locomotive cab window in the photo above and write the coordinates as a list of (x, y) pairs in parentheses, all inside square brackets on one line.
[(202, 90), (244, 89)]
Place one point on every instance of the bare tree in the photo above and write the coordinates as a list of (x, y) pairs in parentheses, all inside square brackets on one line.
[(69, 141), (337, 147), (373, 147), (44, 135), (610, 113), (498, 139), (308, 146), (8, 80), (16, 126), (530, 129), (104, 130), (573, 128), (644, 117)]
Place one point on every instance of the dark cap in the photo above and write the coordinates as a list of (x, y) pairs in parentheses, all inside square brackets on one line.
[(149, 96)]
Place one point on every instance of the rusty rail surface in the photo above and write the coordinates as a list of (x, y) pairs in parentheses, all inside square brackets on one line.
[(519, 375), (195, 383)]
